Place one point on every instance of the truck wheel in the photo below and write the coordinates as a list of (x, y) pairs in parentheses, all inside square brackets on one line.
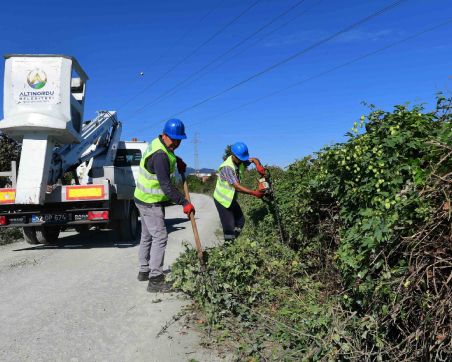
[(47, 235), (129, 228), (29, 234)]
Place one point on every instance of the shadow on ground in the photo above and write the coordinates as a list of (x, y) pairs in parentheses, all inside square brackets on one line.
[(171, 224), (89, 240), (99, 239)]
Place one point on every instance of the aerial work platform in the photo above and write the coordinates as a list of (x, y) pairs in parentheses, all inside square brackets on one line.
[(44, 98)]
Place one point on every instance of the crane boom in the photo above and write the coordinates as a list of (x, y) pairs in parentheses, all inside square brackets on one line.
[(98, 137)]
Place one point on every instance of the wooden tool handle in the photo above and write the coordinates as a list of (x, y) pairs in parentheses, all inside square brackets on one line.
[(193, 224)]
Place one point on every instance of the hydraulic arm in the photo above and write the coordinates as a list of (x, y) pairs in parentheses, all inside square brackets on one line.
[(99, 140)]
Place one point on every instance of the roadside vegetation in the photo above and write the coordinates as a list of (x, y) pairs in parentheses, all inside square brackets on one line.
[(196, 185), (363, 270), (10, 235), (9, 151)]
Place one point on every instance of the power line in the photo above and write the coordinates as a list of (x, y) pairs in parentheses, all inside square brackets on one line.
[(173, 90), (192, 28), (318, 75), (288, 59), (188, 56), (242, 50), (265, 36), (172, 46)]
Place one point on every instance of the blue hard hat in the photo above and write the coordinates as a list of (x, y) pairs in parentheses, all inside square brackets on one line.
[(240, 150), (175, 129)]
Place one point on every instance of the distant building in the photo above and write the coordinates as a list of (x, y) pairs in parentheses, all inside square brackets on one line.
[(204, 176)]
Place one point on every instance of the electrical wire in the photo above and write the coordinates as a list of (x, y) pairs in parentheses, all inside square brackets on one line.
[(179, 85), (199, 47), (318, 75), (244, 49), (288, 59), (172, 46), (190, 31)]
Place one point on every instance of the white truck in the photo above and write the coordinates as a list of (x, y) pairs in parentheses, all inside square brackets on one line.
[(44, 97)]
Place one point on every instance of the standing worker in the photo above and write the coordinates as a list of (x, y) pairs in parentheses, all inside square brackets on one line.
[(228, 183), (154, 191)]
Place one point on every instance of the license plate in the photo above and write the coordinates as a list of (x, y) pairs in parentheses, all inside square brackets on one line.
[(49, 218), (18, 220)]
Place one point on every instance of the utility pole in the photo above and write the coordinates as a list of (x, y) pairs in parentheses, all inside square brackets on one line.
[(195, 146)]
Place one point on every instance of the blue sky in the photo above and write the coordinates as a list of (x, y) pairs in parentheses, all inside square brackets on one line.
[(116, 40)]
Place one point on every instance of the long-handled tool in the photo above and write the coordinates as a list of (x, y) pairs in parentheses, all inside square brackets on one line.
[(266, 186), (193, 226)]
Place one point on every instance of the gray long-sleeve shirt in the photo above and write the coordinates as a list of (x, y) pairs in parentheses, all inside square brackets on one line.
[(158, 164)]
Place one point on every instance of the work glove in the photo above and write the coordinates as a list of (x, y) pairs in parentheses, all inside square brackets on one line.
[(188, 208), (260, 169), (181, 165), (257, 193)]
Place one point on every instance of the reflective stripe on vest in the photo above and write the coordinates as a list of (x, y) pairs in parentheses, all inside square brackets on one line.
[(224, 192), (149, 191), (147, 175), (148, 188), (151, 176)]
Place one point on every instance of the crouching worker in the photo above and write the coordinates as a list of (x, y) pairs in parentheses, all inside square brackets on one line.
[(154, 191), (228, 184)]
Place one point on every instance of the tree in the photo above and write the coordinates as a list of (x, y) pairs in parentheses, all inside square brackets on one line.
[(227, 152), (9, 151)]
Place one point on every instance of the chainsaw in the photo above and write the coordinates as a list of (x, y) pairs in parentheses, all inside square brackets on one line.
[(265, 185)]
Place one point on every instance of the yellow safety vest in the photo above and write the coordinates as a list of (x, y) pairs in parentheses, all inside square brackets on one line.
[(148, 187), (224, 192)]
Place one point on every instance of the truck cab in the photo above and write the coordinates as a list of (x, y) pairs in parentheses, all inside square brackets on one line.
[(128, 155)]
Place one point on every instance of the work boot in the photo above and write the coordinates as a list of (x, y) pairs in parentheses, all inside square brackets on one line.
[(229, 241), (143, 276), (229, 238), (159, 285)]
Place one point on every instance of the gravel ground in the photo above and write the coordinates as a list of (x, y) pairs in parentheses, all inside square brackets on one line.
[(80, 301)]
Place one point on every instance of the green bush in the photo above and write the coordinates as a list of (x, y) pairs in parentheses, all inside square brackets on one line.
[(9, 151), (364, 268), (10, 235), (195, 184)]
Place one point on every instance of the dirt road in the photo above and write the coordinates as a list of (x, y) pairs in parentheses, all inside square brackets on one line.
[(80, 300)]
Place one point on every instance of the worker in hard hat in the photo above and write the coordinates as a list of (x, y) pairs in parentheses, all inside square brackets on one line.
[(228, 184), (155, 189)]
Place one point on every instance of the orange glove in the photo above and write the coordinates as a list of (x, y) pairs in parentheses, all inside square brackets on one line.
[(257, 193), (260, 169), (189, 208)]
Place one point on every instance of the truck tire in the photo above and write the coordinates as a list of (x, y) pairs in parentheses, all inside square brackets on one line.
[(129, 228), (29, 234), (47, 235)]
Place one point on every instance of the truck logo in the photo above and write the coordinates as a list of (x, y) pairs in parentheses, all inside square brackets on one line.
[(37, 78)]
